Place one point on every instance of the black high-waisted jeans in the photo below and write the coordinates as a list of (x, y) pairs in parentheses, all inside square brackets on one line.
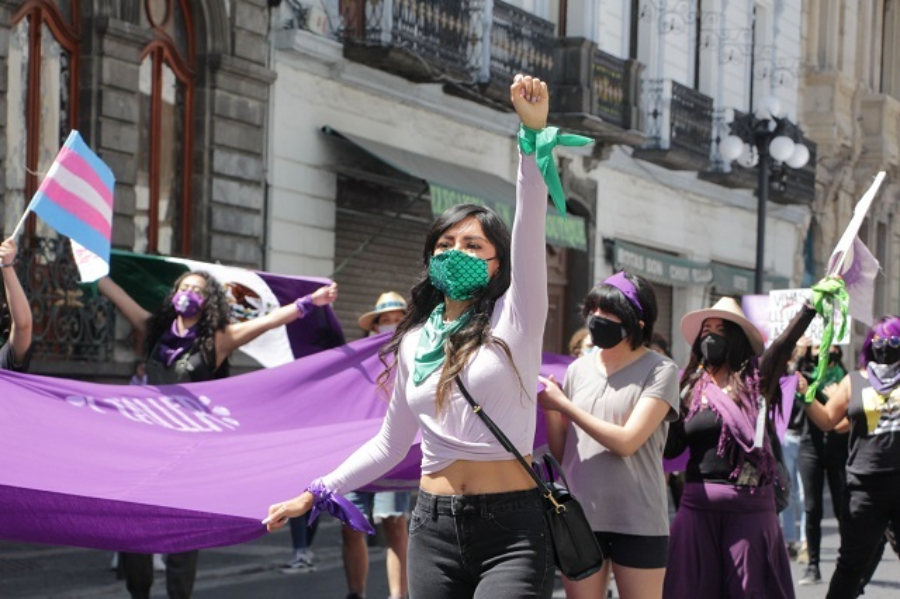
[(493, 546)]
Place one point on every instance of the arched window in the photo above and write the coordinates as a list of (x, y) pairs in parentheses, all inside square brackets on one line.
[(42, 98), (162, 189)]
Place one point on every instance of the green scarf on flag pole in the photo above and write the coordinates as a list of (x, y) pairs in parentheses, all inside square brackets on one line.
[(829, 294)]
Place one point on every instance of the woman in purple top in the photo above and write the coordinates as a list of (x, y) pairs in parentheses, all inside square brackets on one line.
[(726, 540), (870, 399), (476, 316), (188, 339)]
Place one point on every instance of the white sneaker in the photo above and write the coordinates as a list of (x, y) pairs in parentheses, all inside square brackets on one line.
[(159, 564), (302, 562)]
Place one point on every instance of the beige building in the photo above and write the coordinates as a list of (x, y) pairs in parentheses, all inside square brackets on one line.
[(851, 108)]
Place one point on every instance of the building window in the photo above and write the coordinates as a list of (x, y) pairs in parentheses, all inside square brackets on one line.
[(166, 87), (42, 97)]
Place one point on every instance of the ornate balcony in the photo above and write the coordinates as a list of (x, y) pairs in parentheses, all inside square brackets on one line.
[(679, 125), (520, 42), (596, 92), (421, 40), (71, 324)]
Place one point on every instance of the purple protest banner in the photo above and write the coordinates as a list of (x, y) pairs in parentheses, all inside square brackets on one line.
[(171, 468)]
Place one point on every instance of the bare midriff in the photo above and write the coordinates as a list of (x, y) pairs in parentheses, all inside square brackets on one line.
[(466, 477)]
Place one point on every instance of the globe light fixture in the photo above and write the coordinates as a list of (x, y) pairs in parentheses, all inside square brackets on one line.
[(781, 148), (731, 148), (764, 139)]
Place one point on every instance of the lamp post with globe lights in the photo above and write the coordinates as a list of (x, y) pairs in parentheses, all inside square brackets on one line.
[(764, 139)]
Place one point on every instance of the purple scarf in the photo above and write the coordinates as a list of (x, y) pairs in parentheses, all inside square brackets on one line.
[(883, 377), (338, 506), (738, 427), (171, 344)]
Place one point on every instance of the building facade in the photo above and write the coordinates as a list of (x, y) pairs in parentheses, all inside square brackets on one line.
[(851, 108), (173, 95), (366, 90)]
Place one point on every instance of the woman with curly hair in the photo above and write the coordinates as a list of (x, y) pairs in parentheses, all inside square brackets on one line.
[(475, 319), (188, 340)]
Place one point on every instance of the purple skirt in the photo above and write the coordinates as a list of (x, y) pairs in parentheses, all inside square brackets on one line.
[(726, 542)]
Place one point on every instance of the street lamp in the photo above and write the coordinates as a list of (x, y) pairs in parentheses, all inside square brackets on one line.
[(765, 139)]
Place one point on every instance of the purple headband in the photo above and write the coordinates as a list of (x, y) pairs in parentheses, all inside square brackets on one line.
[(621, 282)]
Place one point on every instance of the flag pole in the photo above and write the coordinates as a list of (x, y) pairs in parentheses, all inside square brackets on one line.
[(21, 224)]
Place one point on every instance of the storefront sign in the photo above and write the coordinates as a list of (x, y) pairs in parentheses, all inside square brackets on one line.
[(660, 268), (568, 231)]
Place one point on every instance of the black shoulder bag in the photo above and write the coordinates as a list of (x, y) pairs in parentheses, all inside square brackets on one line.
[(575, 549)]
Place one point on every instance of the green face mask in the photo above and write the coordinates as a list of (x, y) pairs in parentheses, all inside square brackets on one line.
[(458, 275)]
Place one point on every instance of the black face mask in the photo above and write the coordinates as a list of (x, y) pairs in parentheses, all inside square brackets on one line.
[(714, 348), (604, 332), (886, 354)]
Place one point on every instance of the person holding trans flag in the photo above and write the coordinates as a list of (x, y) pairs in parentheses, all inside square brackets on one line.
[(15, 351)]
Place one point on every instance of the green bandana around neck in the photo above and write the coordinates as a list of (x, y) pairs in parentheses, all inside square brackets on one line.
[(430, 351)]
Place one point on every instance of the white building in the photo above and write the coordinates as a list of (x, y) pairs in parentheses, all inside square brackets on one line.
[(417, 90)]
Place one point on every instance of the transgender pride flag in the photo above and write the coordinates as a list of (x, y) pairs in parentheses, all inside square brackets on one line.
[(76, 199)]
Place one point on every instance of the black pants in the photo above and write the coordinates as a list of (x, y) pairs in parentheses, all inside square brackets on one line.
[(181, 571), (872, 503), (818, 461), (493, 546)]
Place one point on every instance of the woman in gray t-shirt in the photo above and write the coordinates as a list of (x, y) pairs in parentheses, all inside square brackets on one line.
[(608, 426)]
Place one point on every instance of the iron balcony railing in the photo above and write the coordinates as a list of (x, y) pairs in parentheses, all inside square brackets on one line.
[(520, 42), (680, 120), (439, 37), (71, 322), (609, 80)]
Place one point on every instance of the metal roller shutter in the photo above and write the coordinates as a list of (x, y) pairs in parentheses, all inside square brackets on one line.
[(664, 307), (390, 261)]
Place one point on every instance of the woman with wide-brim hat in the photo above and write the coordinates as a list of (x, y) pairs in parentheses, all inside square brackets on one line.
[(726, 540)]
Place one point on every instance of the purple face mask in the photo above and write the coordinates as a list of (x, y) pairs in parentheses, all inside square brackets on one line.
[(187, 303)]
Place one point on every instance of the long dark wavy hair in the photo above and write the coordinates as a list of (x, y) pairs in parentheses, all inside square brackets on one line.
[(424, 298), (213, 318), (739, 357)]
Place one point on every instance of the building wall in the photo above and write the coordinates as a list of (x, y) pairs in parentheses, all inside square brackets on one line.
[(851, 108), (317, 88), (229, 122)]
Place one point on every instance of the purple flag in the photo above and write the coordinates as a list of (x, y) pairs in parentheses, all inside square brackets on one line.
[(171, 468)]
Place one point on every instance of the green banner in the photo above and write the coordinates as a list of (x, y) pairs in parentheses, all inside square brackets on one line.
[(660, 268), (733, 280), (568, 231)]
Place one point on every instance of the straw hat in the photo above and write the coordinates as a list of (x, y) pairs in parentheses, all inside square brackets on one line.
[(387, 302), (726, 309)]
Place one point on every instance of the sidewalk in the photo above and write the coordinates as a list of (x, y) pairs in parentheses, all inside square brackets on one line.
[(251, 570)]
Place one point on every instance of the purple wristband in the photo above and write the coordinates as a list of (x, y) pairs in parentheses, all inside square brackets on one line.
[(338, 506), (305, 305)]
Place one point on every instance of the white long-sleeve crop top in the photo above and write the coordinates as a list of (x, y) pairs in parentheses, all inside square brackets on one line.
[(457, 433)]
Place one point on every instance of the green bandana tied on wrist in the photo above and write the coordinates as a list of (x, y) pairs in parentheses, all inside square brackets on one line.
[(541, 144), (828, 294), (430, 351)]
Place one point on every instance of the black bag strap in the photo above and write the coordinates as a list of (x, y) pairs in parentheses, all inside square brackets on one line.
[(554, 470), (508, 446)]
